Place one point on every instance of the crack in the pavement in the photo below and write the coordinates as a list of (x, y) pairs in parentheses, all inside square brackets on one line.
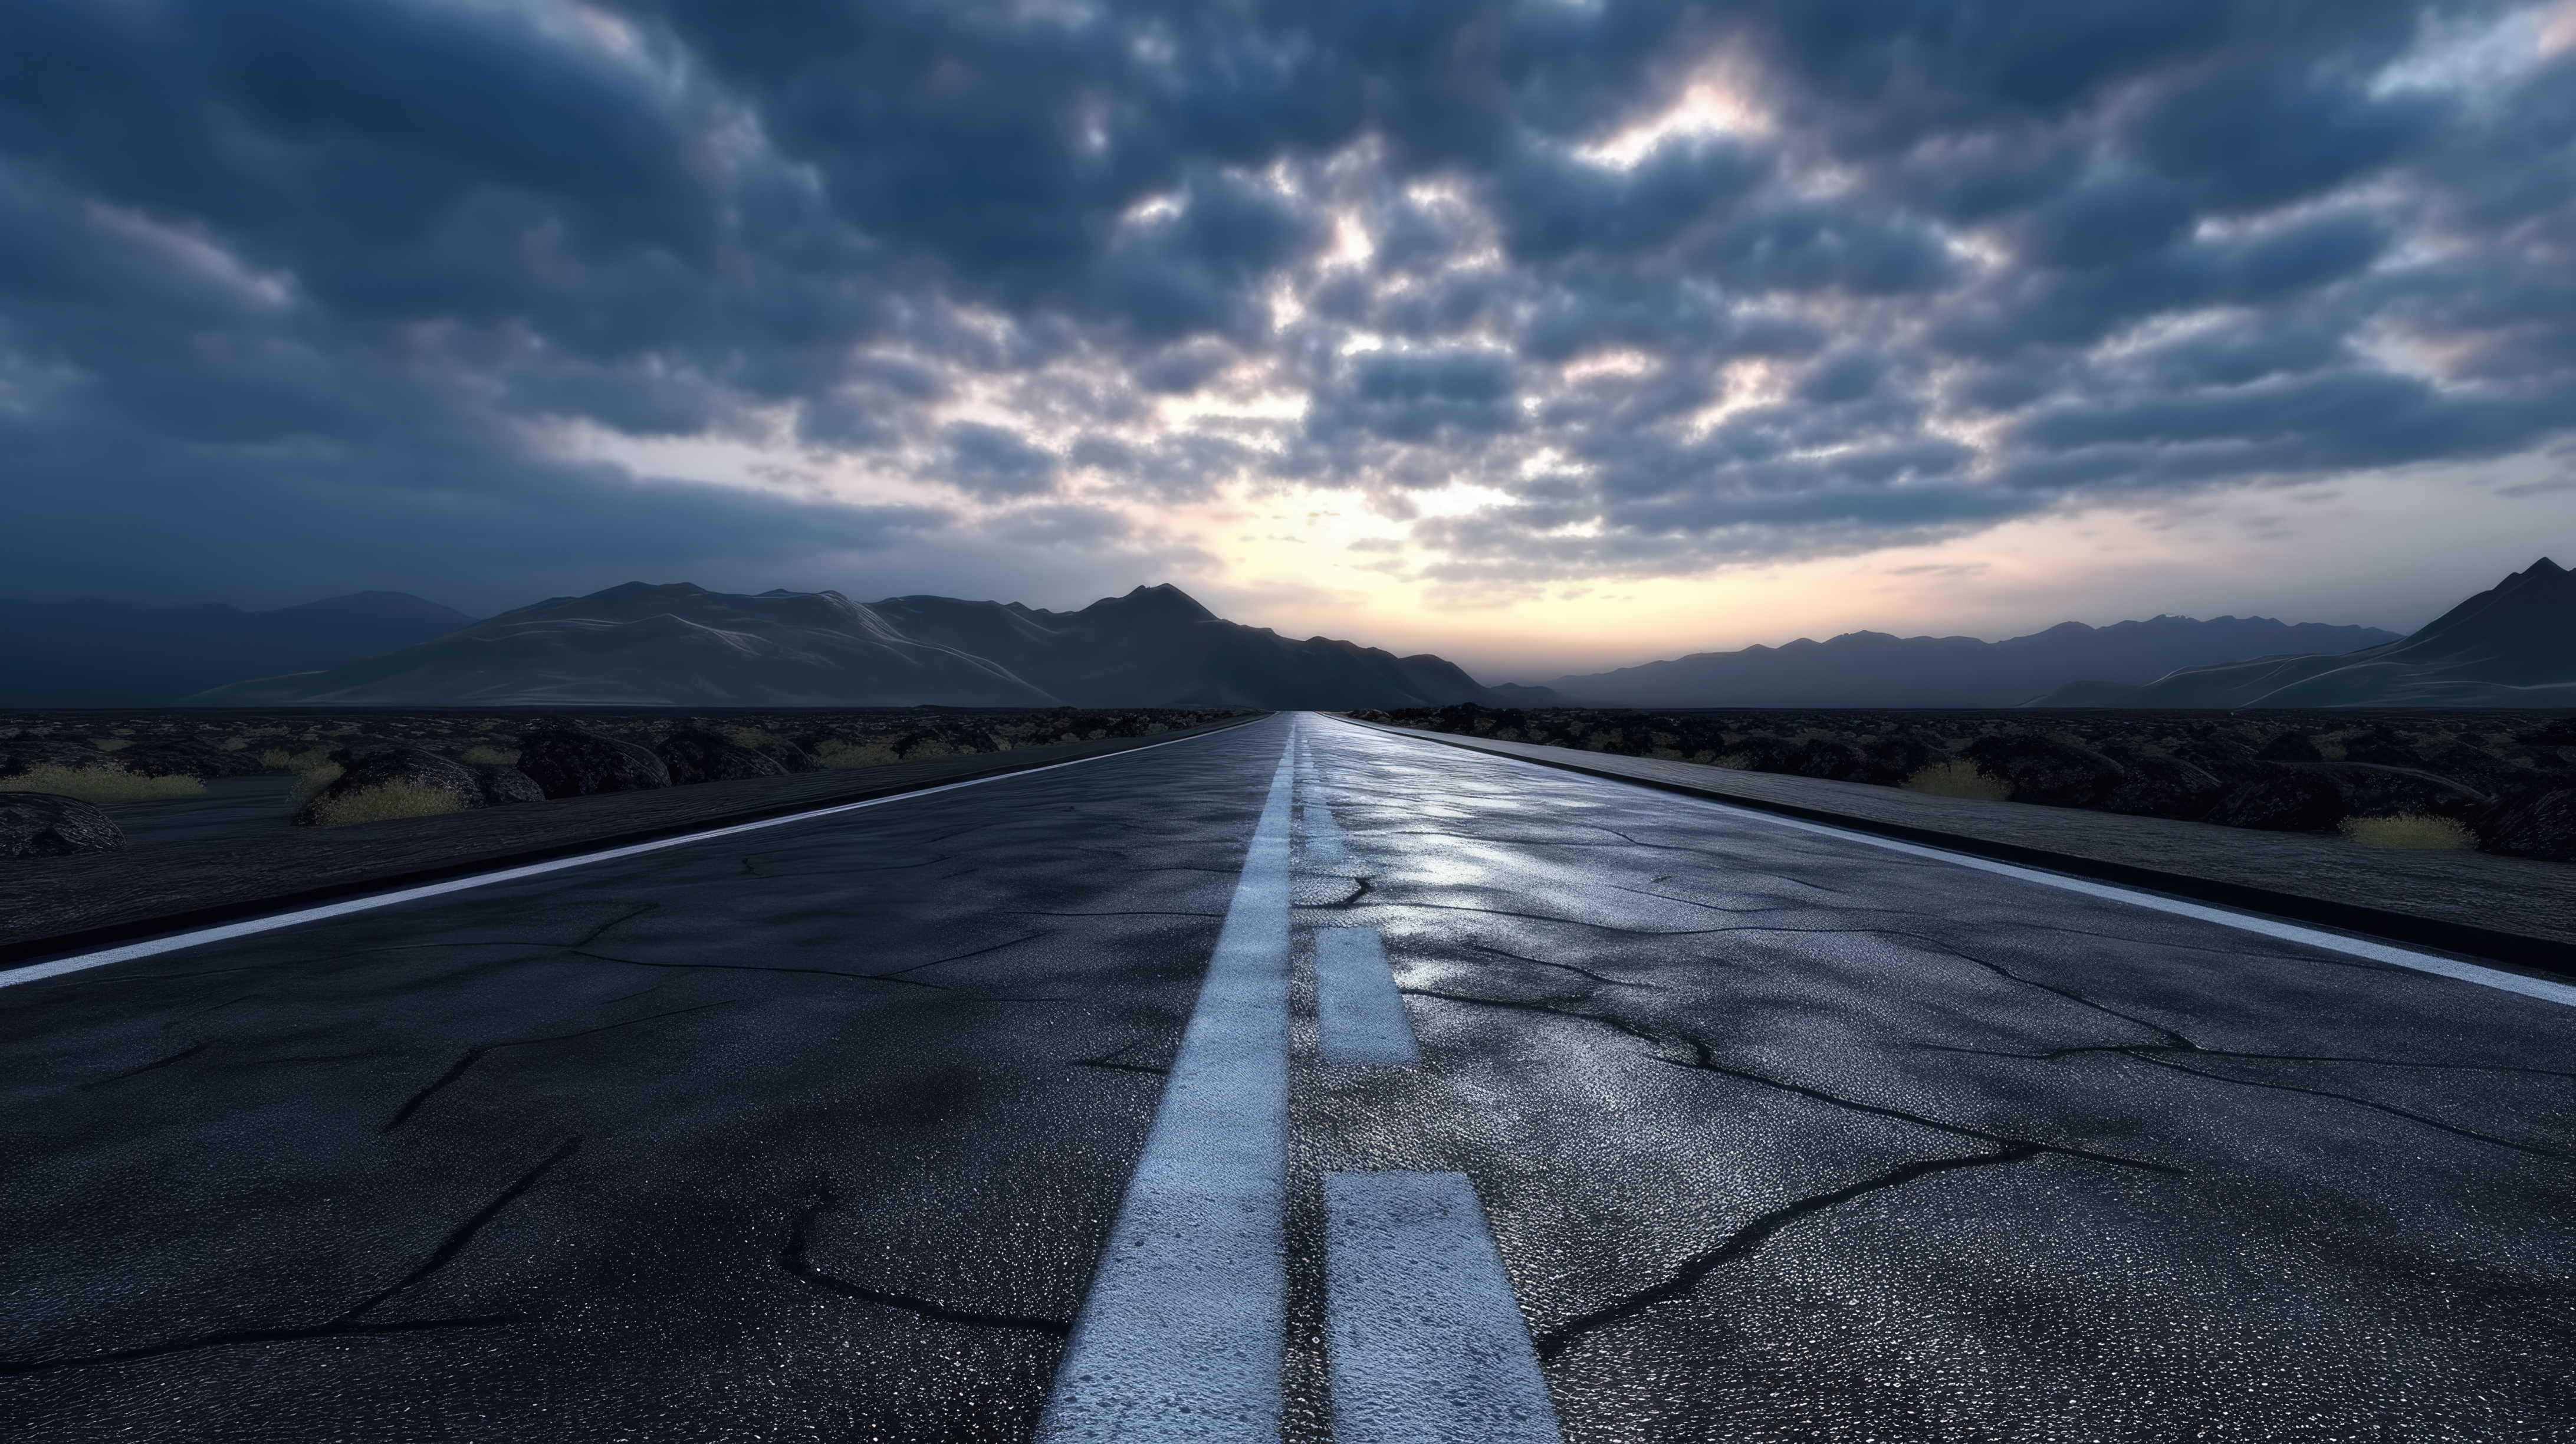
[(1694, 903), (2177, 1042), (349, 1321), (793, 1259), (181, 1056), (1550, 1006), (897, 974), (1110, 1059), (472, 1056), (1704, 1060), (1566, 922), (2388, 1108), (1360, 891), (1606, 982), (601, 931), (2172, 1036), (765, 968), (2080, 1049), (1688, 1276), (1112, 1063)]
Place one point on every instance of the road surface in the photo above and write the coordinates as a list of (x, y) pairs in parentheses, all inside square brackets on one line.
[(1516, 1105)]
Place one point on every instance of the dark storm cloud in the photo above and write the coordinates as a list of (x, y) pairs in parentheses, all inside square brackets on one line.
[(290, 281)]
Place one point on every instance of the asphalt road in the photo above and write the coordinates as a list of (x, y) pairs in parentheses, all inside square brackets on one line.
[(1619, 1115)]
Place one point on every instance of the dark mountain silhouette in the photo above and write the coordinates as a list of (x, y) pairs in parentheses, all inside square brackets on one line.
[(1875, 669), (1156, 646), (682, 645), (2513, 645), (123, 654)]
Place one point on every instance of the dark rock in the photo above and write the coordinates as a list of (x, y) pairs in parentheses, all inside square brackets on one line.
[(2315, 796), (1823, 757), (2473, 768), (2537, 823), (2560, 732), (1768, 754), (1894, 758), (2224, 758), (788, 756), (2045, 771), (2161, 787), (368, 767), (2370, 790), (504, 784), (2283, 798), (693, 756), (2291, 747), (2383, 748), (39, 824), (572, 762)]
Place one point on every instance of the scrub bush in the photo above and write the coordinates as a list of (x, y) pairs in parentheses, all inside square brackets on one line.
[(385, 803), (2410, 833), (99, 784)]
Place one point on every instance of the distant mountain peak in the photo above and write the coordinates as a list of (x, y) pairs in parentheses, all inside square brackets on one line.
[(2512, 645), (1161, 602), (659, 589)]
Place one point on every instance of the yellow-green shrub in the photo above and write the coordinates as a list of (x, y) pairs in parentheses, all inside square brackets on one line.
[(482, 756), (100, 784), (837, 753), (2410, 833), (1957, 779), (383, 803)]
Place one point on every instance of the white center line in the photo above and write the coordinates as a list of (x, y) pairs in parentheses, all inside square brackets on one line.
[(1182, 1334), (1359, 1016), (1428, 1345)]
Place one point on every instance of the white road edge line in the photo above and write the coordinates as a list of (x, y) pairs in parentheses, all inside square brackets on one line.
[(2496, 978), (1182, 1335), (33, 972), (1359, 1015), (1427, 1341)]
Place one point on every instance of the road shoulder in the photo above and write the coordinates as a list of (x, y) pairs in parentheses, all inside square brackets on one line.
[(2514, 911), (56, 905)]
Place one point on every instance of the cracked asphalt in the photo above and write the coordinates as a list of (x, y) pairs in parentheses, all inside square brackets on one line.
[(817, 1133)]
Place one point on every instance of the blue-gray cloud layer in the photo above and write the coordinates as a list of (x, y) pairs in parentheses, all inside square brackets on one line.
[(304, 288)]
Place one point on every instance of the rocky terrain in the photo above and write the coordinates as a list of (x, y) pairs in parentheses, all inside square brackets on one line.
[(2502, 782), (57, 768)]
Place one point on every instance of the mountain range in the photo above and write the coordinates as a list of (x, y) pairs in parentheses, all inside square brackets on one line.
[(2512, 645), (681, 645), (123, 654), (1876, 669)]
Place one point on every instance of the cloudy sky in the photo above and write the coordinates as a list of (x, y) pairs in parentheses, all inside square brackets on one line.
[(1540, 334)]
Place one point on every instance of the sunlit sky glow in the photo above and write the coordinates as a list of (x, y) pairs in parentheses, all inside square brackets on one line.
[(1548, 337)]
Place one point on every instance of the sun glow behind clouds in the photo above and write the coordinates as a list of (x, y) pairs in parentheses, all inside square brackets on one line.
[(1716, 104)]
